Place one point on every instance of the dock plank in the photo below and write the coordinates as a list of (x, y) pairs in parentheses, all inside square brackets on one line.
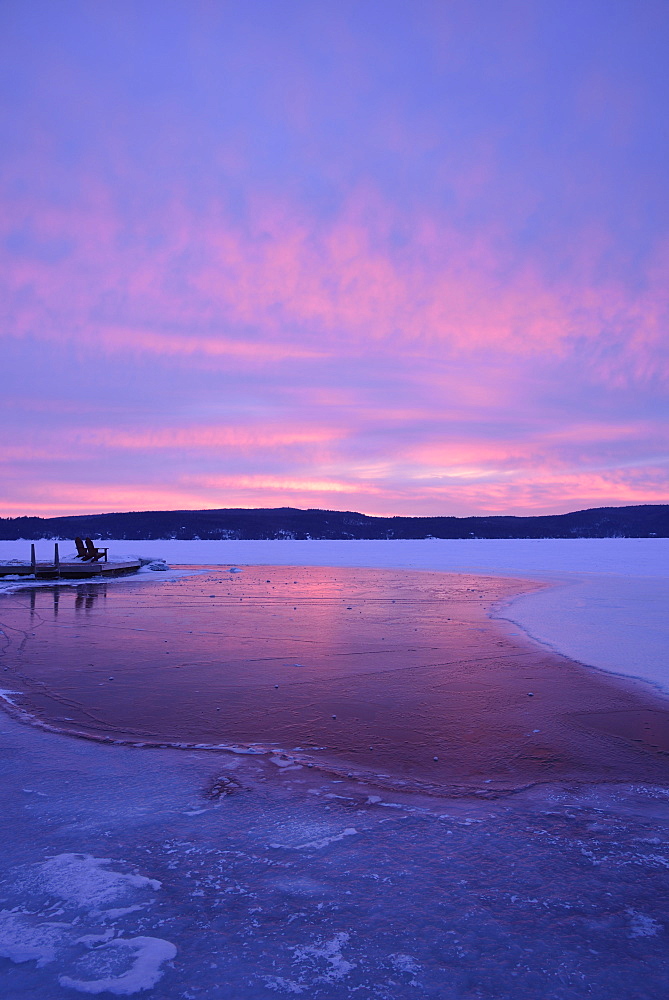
[(70, 570)]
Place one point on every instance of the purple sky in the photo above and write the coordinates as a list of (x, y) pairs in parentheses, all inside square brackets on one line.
[(397, 257)]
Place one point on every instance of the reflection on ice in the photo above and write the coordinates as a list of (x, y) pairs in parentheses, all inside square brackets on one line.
[(371, 672)]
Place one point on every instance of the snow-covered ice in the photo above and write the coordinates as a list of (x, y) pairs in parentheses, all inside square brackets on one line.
[(56, 899)]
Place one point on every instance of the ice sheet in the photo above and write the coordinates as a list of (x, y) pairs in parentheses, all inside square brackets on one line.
[(609, 610), (645, 557), (119, 875), (617, 623), (331, 889)]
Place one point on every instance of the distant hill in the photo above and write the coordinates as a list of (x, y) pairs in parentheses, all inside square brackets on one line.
[(643, 521)]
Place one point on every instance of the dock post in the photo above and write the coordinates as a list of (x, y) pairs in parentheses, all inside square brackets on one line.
[(56, 556), (33, 561)]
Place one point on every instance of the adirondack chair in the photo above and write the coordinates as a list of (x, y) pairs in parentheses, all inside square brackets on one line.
[(93, 553), (81, 550)]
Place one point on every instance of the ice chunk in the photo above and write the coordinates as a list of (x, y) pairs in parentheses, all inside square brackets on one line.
[(282, 761), (158, 566)]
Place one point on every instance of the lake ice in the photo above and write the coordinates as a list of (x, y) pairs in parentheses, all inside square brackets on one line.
[(130, 871), (122, 874)]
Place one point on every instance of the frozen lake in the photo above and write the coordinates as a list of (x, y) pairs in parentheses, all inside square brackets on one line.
[(209, 875), (121, 866), (375, 672), (609, 609)]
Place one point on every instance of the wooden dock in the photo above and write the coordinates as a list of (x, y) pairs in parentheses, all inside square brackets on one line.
[(57, 570)]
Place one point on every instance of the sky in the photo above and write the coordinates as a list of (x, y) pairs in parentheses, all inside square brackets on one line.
[(386, 256)]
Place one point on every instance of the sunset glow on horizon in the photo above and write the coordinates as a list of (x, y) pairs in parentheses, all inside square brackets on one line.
[(394, 257)]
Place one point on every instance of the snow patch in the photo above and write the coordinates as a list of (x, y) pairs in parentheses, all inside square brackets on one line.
[(404, 963), (319, 842), (329, 952), (84, 881), (641, 925), (24, 939), (145, 954), (280, 983), (283, 761)]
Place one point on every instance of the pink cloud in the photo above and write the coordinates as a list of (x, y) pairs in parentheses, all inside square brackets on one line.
[(408, 376), (205, 437), (277, 485), (305, 288), (169, 344)]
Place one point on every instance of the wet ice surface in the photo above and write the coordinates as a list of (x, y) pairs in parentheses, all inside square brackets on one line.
[(609, 612), (127, 870), (365, 665), (376, 672)]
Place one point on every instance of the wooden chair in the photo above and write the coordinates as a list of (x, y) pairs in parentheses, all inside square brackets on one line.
[(93, 553), (81, 550)]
